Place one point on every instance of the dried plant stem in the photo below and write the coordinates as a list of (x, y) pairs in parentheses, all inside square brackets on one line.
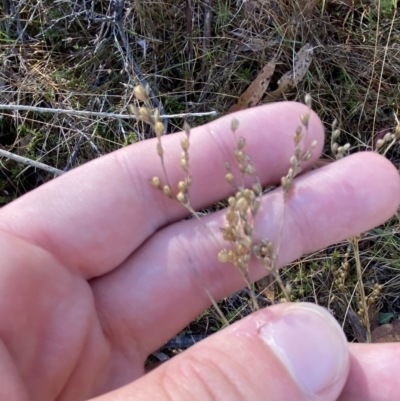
[(365, 317), (29, 162), (274, 266), (383, 64), (86, 113), (250, 287), (287, 182), (389, 146), (208, 293)]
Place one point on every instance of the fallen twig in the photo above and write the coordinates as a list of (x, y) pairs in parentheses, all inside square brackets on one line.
[(85, 113), (29, 162)]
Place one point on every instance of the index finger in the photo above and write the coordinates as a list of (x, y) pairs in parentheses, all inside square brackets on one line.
[(94, 217)]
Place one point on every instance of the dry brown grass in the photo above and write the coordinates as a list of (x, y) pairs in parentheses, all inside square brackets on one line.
[(200, 56)]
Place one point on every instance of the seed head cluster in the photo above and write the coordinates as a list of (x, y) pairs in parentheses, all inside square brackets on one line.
[(389, 137), (151, 116), (245, 202), (241, 211), (342, 272), (337, 150)]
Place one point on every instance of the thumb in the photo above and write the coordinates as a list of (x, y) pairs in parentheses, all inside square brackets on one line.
[(286, 352)]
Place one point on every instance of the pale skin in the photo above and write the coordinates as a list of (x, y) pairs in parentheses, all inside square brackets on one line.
[(97, 271)]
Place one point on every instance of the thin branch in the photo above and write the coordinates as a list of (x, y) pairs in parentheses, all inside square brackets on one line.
[(29, 162), (363, 298), (85, 113)]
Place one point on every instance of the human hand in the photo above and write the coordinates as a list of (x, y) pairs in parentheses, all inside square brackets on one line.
[(98, 270)]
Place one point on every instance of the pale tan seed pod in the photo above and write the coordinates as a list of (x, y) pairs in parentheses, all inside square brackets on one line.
[(242, 204), (231, 256), (257, 188), (167, 191), (228, 235), (285, 183), (223, 256), (226, 228), (334, 124), (184, 164), (156, 115), (308, 155), (335, 147), (234, 124), (270, 248), (181, 197), (297, 151), (249, 194), (229, 177), (229, 214), (246, 241), (241, 143), (379, 144), (308, 100), (255, 206), (298, 170), (132, 109), (232, 201), (298, 135), (387, 137), (248, 229), (156, 182), (159, 129), (246, 258), (267, 262), (241, 249), (232, 217), (305, 118), (185, 144), (144, 115), (346, 147), (186, 128), (182, 186), (249, 169), (257, 250), (335, 134), (239, 156), (140, 93)]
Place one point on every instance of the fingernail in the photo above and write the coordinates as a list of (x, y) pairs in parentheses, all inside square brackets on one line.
[(310, 344)]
